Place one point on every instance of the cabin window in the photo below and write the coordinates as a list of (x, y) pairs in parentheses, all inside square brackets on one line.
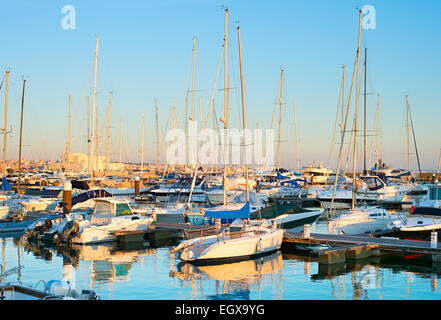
[(102, 208), (123, 209), (435, 193)]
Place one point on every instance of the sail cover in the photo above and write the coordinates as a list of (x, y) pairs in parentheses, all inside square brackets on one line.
[(5, 185), (242, 213), (91, 194)]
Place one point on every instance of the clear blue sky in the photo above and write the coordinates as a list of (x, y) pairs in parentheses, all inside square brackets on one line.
[(145, 52)]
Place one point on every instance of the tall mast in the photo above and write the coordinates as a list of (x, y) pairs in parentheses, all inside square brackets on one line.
[(340, 154), (4, 130), (280, 119), (378, 132), (408, 133), (120, 143), (343, 98), (157, 133), (243, 115), (97, 143), (142, 147), (69, 133), (354, 164), (186, 128), (109, 112), (297, 137), (364, 142), (88, 136), (93, 109), (21, 131), (226, 106)]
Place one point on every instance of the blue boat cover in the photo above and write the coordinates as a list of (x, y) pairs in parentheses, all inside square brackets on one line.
[(242, 213), (91, 194), (279, 176), (294, 182), (5, 185)]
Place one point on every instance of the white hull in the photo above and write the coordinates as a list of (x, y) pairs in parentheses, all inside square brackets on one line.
[(232, 248), (98, 234)]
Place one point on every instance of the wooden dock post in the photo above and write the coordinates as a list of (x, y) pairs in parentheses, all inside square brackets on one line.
[(137, 182), (67, 198)]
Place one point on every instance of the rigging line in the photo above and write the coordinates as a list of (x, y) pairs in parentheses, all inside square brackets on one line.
[(335, 127), (181, 103), (214, 87), (414, 141), (343, 134)]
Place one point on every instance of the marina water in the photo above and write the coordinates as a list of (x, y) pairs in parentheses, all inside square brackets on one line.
[(148, 272)]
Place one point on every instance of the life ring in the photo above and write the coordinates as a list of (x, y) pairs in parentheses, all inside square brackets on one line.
[(43, 182)]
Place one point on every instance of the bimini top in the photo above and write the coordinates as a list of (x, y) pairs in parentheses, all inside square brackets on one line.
[(242, 213)]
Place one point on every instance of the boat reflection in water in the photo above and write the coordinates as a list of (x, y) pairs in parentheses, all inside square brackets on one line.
[(232, 280), (106, 263)]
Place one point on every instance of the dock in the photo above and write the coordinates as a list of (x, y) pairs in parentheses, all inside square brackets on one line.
[(162, 230), (343, 247)]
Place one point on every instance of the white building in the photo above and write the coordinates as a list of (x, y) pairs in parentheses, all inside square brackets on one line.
[(80, 161)]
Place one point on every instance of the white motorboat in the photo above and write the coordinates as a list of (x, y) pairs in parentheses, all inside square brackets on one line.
[(180, 191), (316, 173), (416, 228), (430, 204), (235, 243), (53, 290), (361, 220), (369, 189), (109, 216)]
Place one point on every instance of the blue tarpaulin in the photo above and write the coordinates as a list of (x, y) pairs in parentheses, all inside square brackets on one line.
[(91, 194), (5, 185), (279, 176), (242, 213)]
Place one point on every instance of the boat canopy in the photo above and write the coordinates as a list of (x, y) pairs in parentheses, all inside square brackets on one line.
[(242, 213), (280, 177), (91, 194), (293, 182)]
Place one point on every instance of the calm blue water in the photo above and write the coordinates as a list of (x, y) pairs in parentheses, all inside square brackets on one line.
[(148, 272)]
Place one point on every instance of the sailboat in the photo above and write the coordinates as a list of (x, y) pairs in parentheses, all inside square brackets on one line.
[(359, 219), (233, 243)]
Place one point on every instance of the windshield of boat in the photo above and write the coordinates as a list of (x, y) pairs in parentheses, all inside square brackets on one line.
[(242, 198), (102, 213), (123, 209), (373, 183)]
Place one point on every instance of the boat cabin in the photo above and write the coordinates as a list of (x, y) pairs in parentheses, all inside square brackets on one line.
[(108, 208)]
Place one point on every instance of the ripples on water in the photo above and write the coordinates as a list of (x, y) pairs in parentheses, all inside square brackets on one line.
[(148, 272)]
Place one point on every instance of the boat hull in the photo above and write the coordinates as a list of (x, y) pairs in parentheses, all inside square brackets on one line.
[(234, 249)]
